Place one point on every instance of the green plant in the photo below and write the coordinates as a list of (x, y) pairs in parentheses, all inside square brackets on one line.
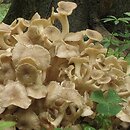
[(107, 106), (3, 10), (6, 124), (118, 44)]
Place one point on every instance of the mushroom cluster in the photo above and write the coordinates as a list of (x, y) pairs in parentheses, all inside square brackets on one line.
[(48, 74)]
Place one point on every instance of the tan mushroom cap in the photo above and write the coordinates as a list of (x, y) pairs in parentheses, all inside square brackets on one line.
[(56, 91), (41, 23), (28, 60), (1, 90), (78, 61), (123, 116), (64, 50), (37, 90), (94, 35), (116, 73), (78, 36), (112, 61), (17, 95), (104, 79), (66, 8), (52, 33), (4, 28), (4, 31), (7, 72), (18, 25), (28, 120), (36, 16), (92, 53), (26, 74), (38, 53), (96, 74)]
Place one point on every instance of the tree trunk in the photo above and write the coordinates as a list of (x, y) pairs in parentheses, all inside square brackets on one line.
[(86, 15)]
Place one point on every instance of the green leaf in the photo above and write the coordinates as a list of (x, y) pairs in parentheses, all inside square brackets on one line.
[(107, 20), (116, 22), (108, 109), (124, 20), (6, 124), (89, 128), (111, 16), (97, 96), (108, 104), (113, 97), (127, 13)]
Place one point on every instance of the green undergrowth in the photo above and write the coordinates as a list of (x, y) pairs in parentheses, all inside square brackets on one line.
[(3, 10)]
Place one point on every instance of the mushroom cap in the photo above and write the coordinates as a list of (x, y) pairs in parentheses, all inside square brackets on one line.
[(66, 8), (112, 61), (96, 74), (17, 95), (18, 25), (123, 116), (104, 79), (78, 60), (38, 53), (27, 120), (41, 23), (36, 16), (64, 50), (4, 28), (38, 92), (28, 60), (94, 35), (78, 36), (26, 74), (52, 33), (7, 71)]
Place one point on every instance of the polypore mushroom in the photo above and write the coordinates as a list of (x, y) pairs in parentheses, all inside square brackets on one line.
[(124, 114), (93, 36), (53, 91), (19, 25), (35, 16), (52, 33), (4, 30), (116, 73), (17, 95), (78, 61), (96, 74), (92, 53), (112, 61), (37, 90), (64, 50), (27, 120), (38, 53), (106, 78), (7, 71), (73, 37), (64, 9), (26, 74)]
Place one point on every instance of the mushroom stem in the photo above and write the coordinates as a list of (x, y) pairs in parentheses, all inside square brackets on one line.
[(64, 22), (88, 42), (59, 118), (77, 70)]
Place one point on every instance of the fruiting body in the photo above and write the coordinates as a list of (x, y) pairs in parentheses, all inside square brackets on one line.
[(49, 75)]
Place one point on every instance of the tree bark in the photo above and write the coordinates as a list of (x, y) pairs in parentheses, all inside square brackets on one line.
[(86, 15)]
